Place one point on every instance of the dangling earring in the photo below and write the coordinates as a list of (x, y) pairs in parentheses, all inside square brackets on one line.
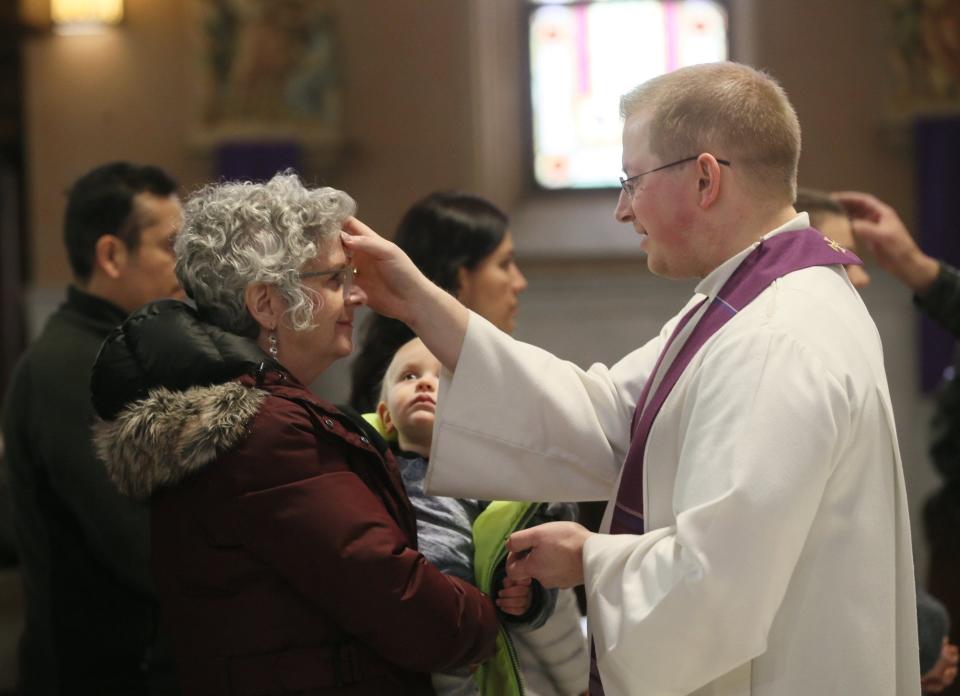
[(274, 347)]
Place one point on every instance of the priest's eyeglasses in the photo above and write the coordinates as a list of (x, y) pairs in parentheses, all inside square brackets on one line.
[(344, 277), (629, 185)]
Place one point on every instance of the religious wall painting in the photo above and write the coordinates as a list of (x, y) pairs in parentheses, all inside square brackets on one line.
[(927, 53), (271, 68)]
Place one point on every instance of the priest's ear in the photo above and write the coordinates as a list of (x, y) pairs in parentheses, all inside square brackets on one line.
[(708, 179), (111, 256)]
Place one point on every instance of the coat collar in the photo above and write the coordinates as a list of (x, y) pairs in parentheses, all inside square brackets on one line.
[(93, 309)]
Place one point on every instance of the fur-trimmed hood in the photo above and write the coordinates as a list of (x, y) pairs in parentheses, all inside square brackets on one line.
[(162, 439), (165, 386)]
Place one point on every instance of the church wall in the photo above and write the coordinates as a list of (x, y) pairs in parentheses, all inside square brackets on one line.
[(132, 93)]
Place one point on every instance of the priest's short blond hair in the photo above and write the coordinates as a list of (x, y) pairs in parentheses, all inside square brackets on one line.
[(730, 110)]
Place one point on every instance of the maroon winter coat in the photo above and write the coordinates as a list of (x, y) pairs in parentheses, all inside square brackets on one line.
[(284, 547)]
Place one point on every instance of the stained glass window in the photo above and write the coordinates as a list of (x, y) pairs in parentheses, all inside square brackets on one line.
[(585, 55)]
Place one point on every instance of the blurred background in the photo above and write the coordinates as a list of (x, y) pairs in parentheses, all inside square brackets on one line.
[(392, 99)]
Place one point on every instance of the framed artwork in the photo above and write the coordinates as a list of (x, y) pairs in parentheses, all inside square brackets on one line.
[(927, 53), (271, 69)]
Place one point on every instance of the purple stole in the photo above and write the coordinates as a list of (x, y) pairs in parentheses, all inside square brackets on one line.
[(772, 259)]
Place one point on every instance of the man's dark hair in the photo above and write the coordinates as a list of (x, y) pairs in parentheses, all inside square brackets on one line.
[(101, 202)]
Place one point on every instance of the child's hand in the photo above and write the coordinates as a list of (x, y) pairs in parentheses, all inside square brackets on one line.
[(943, 673), (515, 596)]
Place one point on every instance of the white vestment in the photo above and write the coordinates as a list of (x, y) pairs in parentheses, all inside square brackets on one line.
[(777, 559)]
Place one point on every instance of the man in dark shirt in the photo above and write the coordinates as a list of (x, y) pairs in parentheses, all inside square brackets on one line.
[(91, 609), (936, 292)]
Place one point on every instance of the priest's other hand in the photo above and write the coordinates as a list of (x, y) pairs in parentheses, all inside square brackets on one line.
[(551, 553)]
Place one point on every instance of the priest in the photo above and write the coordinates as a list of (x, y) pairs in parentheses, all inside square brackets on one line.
[(756, 540)]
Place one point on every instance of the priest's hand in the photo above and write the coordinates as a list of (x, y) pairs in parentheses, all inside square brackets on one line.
[(551, 553), (385, 273), (392, 285)]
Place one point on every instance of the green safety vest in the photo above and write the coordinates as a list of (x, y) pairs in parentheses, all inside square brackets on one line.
[(500, 675)]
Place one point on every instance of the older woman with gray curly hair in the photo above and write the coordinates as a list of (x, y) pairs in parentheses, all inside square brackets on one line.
[(284, 546)]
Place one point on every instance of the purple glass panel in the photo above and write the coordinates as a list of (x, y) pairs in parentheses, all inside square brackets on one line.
[(937, 147), (257, 161)]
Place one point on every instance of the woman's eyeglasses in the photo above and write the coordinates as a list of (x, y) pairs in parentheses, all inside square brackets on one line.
[(344, 277)]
